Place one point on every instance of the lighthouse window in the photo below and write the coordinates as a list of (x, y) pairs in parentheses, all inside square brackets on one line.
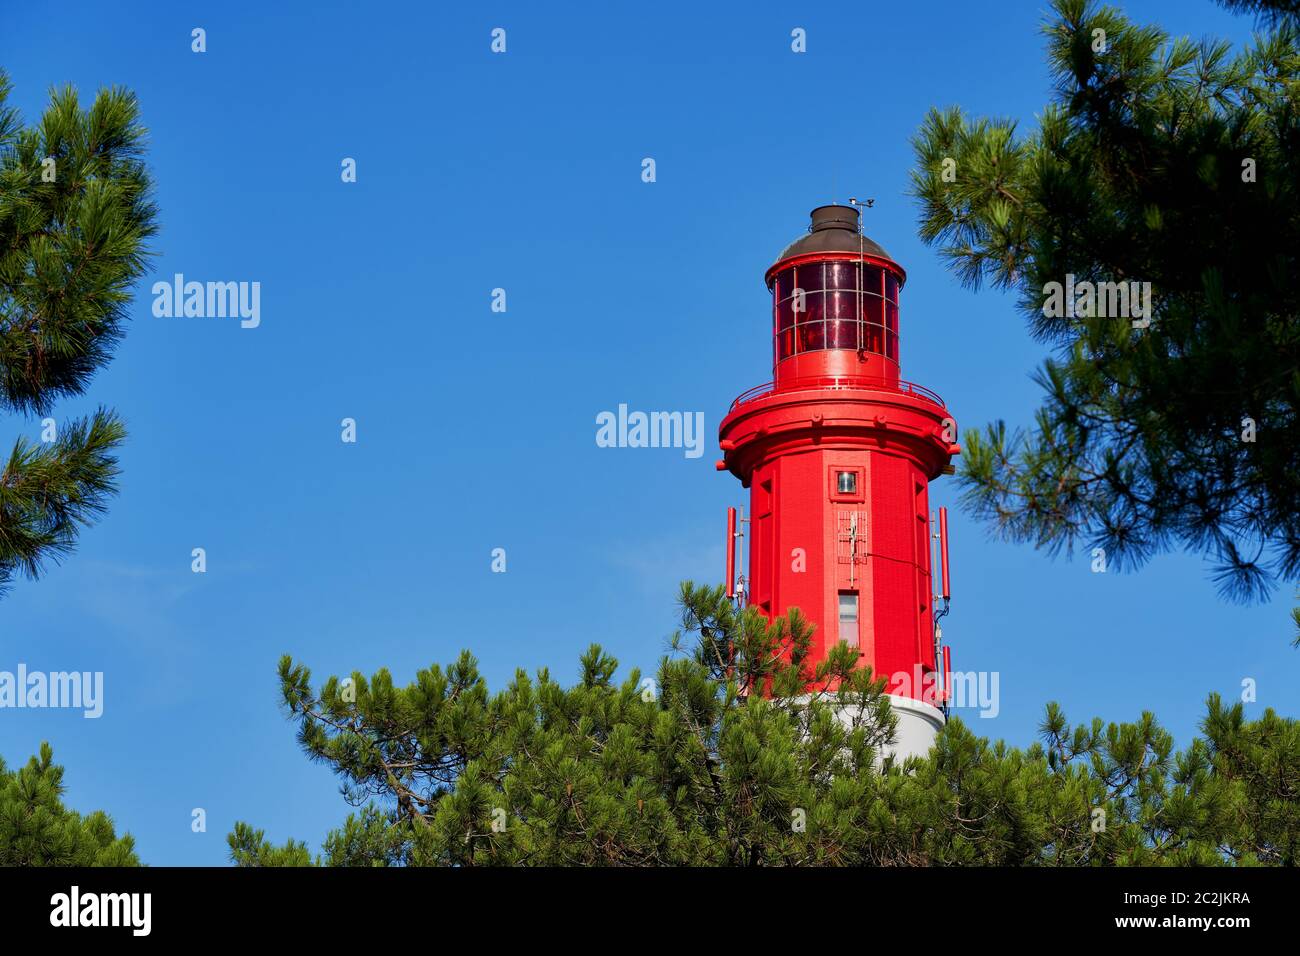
[(809, 277), (785, 315), (873, 339), (844, 483), (784, 285), (842, 305), (849, 618), (873, 279), (842, 334), (842, 275), (835, 304), (812, 337), (784, 344), (873, 309), (891, 330)]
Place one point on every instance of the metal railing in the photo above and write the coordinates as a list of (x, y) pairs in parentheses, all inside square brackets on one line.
[(841, 381)]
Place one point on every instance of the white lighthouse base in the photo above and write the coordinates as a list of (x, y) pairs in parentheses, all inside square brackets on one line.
[(918, 725)]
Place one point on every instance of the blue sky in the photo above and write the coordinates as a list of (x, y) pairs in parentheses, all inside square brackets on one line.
[(476, 430)]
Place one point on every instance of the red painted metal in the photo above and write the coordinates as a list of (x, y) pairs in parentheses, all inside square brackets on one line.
[(943, 552), (870, 259), (731, 552), (838, 453), (843, 381), (947, 673)]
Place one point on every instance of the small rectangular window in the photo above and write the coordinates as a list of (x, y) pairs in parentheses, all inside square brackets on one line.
[(849, 618), (845, 483)]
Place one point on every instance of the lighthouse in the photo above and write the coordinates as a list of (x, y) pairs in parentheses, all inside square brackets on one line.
[(838, 453)]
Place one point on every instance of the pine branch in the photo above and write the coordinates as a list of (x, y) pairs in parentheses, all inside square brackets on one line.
[(49, 491)]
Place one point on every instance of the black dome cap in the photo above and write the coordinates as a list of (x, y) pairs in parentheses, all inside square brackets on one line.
[(834, 229)]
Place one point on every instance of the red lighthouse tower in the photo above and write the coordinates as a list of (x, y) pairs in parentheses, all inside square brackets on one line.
[(838, 453)]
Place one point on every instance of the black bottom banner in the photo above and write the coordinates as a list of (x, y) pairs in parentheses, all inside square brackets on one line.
[(953, 906)]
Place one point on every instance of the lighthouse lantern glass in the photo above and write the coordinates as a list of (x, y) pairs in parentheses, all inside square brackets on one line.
[(835, 304)]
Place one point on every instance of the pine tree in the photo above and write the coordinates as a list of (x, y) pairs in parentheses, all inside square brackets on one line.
[(1158, 161), (36, 829), (75, 214), (690, 769), (1266, 11)]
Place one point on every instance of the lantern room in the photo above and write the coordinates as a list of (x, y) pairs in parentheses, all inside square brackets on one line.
[(835, 303)]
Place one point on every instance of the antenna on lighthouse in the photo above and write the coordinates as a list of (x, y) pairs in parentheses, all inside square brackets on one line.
[(736, 534), (862, 267), (942, 651)]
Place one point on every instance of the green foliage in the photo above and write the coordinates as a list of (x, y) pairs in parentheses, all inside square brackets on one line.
[(36, 829), (1163, 161), (691, 769), (249, 847), (1265, 11), (610, 772), (47, 490), (1263, 757), (75, 214)]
